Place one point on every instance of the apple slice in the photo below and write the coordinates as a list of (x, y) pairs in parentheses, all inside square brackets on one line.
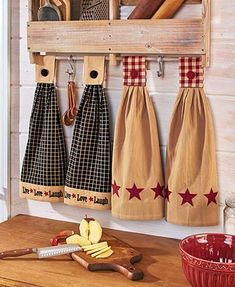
[(93, 246), (95, 231), (77, 239), (101, 251), (84, 228), (97, 249), (105, 254)]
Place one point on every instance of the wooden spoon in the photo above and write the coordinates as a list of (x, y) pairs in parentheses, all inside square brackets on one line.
[(168, 9)]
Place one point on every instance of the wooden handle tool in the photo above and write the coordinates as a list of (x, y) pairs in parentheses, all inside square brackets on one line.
[(145, 9), (168, 9)]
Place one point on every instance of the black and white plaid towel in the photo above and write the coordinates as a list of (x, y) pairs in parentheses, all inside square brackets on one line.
[(88, 180), (44, 166)]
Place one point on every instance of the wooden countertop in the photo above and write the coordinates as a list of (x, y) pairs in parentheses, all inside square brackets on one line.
[(161, 262)]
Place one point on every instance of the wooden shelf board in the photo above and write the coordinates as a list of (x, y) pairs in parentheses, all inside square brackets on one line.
[(134, 2), (169, 37)]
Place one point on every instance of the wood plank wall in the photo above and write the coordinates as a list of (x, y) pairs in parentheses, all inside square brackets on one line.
[(220, 89)]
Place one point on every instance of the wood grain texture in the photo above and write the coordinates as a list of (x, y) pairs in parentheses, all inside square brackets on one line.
[(158, 255), (114, 14), (122, 259), (134, 2), (135, 36), (206, 19)]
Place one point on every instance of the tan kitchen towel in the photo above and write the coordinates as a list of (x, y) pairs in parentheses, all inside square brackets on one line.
[(191, 173), (137, 185)]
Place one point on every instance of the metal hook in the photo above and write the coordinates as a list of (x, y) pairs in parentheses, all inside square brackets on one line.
[(160, 71), (71, 73)]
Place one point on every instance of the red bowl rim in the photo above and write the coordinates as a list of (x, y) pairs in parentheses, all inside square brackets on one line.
[(203, 260)]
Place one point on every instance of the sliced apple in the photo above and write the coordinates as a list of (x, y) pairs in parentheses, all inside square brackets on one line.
[(84, 228), (91, 229), (77, 239), (97, 249), (101, 251), (105, 254), (95, 231), (93, 246)]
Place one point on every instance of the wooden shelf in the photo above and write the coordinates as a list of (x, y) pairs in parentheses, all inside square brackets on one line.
[(118, 36), (174, 37)]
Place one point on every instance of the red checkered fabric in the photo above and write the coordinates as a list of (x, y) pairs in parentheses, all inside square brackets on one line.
[(191, 72), (134, 71)]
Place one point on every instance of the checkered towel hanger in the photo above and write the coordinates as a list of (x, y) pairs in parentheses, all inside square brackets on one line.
[(134, 71), (191, 72)]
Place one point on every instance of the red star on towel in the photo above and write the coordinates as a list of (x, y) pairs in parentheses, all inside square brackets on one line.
[(187, 197), (135, 192), (158, 191), (46, 193), (211, 197), (167, 194), (74, 195), (91, 199), (115, 188)]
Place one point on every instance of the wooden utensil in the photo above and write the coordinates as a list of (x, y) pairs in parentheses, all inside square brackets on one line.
[(121, 260), (49, 12), (168, 9), (145, 9), (64, 7), (70, 115)]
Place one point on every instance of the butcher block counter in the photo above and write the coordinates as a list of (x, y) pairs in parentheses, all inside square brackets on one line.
[(161, 262)]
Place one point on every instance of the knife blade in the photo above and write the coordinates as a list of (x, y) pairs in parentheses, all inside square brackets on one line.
[(44, 252)]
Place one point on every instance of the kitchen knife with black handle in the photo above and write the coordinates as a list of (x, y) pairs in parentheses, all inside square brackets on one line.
[(44, 252)]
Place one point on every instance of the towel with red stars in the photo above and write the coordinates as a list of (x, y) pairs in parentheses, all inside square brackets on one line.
[(137, 181), (191, 175)]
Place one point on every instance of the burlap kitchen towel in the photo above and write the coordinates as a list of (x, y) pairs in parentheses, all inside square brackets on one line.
[(191, 173), (44, 165), (88, 180), (137, 185)]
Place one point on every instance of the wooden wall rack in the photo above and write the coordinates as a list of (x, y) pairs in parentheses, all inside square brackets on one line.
[(174, 37)]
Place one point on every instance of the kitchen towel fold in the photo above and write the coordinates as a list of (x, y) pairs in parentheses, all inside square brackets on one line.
[(88, 180), (137, 185), (191, 173), (44, 166)]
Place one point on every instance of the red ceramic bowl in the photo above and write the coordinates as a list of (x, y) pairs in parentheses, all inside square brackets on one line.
[(208, 260)]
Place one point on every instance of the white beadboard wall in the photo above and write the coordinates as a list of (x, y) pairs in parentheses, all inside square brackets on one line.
[(220, 88)]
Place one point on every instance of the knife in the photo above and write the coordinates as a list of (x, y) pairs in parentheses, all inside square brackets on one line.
[(44, 252)]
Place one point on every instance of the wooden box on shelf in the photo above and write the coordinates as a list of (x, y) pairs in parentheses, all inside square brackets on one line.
[(161, 37)]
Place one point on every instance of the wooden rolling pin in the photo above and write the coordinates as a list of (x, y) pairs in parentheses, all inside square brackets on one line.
[(145, 9), (114, 11), (168, 9)]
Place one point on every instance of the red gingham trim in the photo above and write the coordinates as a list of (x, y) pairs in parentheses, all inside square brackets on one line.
[(134, 71), (191, 72)]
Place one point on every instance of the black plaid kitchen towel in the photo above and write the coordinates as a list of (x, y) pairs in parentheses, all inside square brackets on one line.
[(44, 166), (88, 180)]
